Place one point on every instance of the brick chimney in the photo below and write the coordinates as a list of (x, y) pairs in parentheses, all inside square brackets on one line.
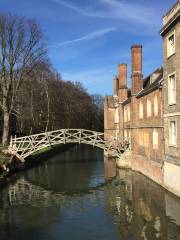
[(116, 86), (122, 92), (136, 74)]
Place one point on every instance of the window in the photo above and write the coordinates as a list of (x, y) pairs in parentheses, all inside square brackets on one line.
[(148, 108), (155, 106), (129, 114), (143, 138), (155, 138), (140, 110), (171, 45), (125, 115), (117, 115), (172, 89), (125, 134), (172, 133)]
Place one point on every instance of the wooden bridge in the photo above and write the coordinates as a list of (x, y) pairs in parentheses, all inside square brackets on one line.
[(22, 147)]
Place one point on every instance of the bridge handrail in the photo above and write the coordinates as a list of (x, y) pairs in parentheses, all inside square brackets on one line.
[(71, 129), (27, 145)]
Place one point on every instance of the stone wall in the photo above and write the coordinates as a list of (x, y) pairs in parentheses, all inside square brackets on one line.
[(172, 112)]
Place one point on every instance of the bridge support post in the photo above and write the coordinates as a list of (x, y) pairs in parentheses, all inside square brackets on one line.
[(80, 133), (48, 139), (64, 136), (96, 135)]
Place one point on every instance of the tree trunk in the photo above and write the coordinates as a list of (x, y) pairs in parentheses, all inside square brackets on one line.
[(5, 128)]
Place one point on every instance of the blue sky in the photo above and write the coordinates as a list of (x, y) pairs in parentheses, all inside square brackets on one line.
[(87, 39)]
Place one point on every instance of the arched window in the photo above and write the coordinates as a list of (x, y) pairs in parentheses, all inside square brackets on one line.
[(149, 111), (140, 110), (155, 106)]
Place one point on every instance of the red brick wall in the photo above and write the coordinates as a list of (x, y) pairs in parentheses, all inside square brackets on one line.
[(109, 120), (145, 157), (122, 92), (136, 69)]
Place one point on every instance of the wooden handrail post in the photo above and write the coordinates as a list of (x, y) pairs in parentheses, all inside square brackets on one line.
[(64, 135)]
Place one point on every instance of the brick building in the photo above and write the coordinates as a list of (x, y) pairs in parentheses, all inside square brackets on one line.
[(148, 114)]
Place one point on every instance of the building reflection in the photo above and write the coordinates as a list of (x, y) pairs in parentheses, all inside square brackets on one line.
[(142, 209), (109, 168)]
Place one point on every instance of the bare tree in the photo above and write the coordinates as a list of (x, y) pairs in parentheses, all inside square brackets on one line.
[(21, 48)]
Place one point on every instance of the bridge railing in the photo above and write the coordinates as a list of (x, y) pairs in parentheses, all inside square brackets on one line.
[(27, 145)]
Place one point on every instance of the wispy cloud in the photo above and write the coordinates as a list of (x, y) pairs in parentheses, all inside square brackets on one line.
[(124, 10), (68, 5), (95, 80), (89, 36)]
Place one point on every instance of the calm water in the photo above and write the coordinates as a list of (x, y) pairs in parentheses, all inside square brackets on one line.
[(68, 197)]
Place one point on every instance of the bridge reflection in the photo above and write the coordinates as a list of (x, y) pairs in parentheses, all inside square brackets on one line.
[(139, 207)]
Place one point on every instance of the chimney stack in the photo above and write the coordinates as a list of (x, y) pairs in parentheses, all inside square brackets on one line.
[(116, 86), (136, 74), (122, 92)]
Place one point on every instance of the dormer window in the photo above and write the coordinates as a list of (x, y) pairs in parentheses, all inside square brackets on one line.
[(171, 45)]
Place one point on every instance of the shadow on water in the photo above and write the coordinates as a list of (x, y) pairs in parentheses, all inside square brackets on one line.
[(69, 197)]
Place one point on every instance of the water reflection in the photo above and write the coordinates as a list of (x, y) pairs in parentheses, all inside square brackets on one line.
[(37, 205), (76, 170), (143, 210)]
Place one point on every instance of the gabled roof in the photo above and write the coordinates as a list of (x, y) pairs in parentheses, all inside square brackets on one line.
[(152, 82)]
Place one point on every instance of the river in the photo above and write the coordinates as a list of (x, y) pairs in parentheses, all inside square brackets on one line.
[(74, 195)]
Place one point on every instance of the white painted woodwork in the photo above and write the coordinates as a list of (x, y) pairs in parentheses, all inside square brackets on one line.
[(22, 147)]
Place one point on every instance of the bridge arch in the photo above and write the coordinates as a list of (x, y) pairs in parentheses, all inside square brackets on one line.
[(22, 147)]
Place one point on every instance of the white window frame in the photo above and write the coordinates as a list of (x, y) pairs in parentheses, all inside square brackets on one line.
[(171, 143), (155, 138), (170, 53), (169, 76), (149, 108), (141, 110)]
